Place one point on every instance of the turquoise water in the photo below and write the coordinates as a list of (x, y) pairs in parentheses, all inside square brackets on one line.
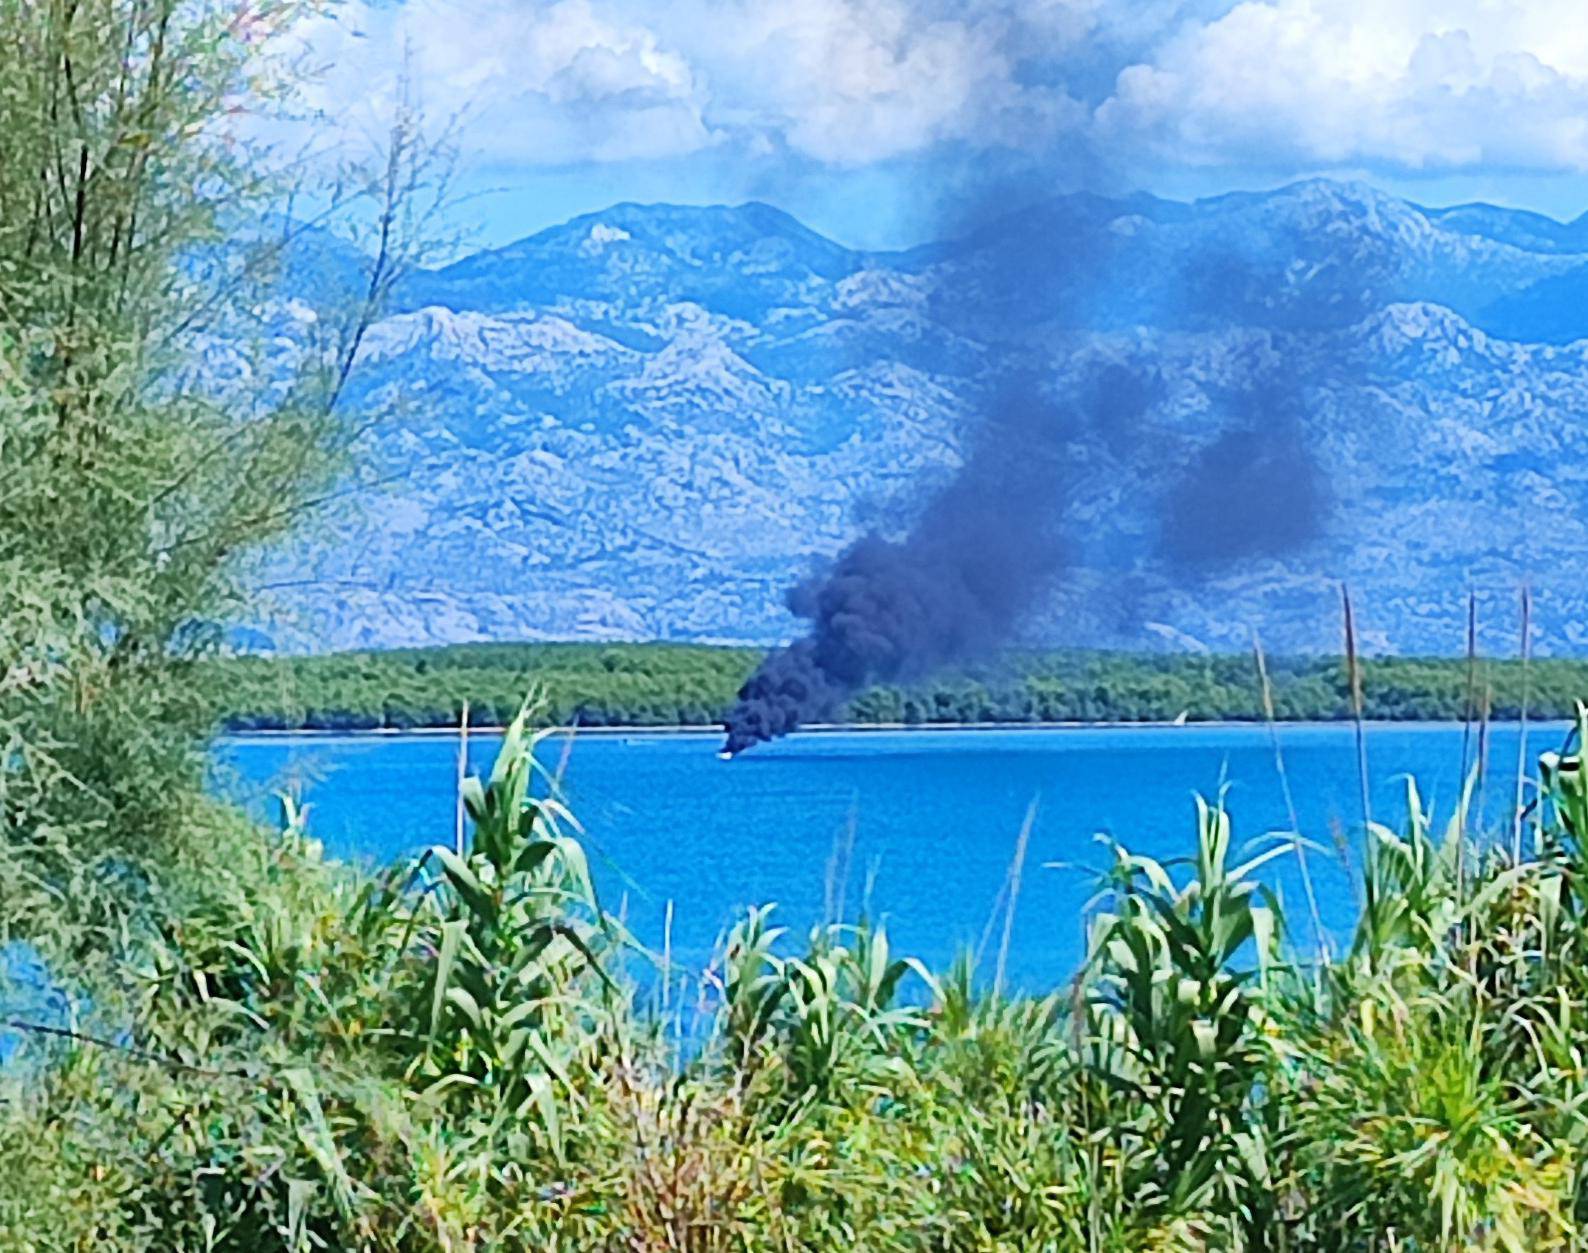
[(934, 816)]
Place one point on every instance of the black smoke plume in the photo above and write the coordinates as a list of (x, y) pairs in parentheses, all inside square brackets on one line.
[(1255, 491), (985, 546), (1021, 272), (992, 541)]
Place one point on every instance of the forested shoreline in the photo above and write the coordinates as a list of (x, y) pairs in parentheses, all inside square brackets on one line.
[(667, 684)]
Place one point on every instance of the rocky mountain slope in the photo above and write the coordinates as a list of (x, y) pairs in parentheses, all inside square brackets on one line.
[(649, 421)]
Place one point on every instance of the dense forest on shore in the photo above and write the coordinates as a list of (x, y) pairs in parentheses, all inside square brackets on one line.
[(600, 684)]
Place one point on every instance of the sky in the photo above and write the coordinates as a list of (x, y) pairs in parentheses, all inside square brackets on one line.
[(871, 120)]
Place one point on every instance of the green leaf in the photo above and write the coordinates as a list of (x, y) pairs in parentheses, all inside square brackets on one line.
[(451, 938)]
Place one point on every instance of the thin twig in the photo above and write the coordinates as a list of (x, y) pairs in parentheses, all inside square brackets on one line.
[(1290, 801), (1354, 672), (1521, 739), (1469, 702), (840, 857), (129, 1050), (667, 957), (1468, 710), (462, 774), (1015, 869), (1485, 727)]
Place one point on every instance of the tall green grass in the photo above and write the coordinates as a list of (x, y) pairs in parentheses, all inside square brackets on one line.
[(469, 1052)]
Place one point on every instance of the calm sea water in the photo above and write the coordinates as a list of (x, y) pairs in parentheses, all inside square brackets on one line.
[(926, 820)]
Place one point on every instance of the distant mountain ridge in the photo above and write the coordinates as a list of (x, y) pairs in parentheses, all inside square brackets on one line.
[(647, 422)]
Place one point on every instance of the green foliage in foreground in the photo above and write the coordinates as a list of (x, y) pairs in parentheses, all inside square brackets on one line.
[(136, 491), (448, 1056), (694, 684)]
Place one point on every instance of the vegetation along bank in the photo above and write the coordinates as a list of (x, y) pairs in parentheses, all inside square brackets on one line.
[(596, 684)]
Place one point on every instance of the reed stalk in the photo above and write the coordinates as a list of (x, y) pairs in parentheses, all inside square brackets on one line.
[(1469, 711), (840, 857), (667, 957), (1354, 673), (1297, 844), (1521, 738), (458, 824), (1016, 868), (1485, 732)]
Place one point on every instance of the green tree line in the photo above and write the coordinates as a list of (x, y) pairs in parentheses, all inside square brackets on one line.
[(655, 684)]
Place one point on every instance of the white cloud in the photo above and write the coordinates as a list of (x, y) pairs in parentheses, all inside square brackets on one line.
[(1416, 85), (531, 83), (845, 82), (855, 81)]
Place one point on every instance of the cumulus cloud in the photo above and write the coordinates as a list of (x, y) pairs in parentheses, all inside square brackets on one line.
[(1409, 85), (533, 83), (1413, 85), (844, 82), (855, 81)]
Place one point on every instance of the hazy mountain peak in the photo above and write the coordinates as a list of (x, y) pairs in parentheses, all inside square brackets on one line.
[(687, 406)]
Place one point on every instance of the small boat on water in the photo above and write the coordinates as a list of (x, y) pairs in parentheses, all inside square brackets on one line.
[(1181, 717)]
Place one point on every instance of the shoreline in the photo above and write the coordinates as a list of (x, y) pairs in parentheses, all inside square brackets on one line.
[(852, 728)]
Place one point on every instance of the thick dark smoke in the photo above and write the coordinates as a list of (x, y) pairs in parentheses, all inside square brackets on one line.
[(992, 541), (954, 588), (1113, 402), (1022, 272), (1255, 491)]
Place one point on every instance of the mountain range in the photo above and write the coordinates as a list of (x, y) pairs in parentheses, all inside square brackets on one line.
[(650, 421)]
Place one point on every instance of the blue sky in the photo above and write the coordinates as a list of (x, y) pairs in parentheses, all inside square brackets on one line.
[(874, 121)]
